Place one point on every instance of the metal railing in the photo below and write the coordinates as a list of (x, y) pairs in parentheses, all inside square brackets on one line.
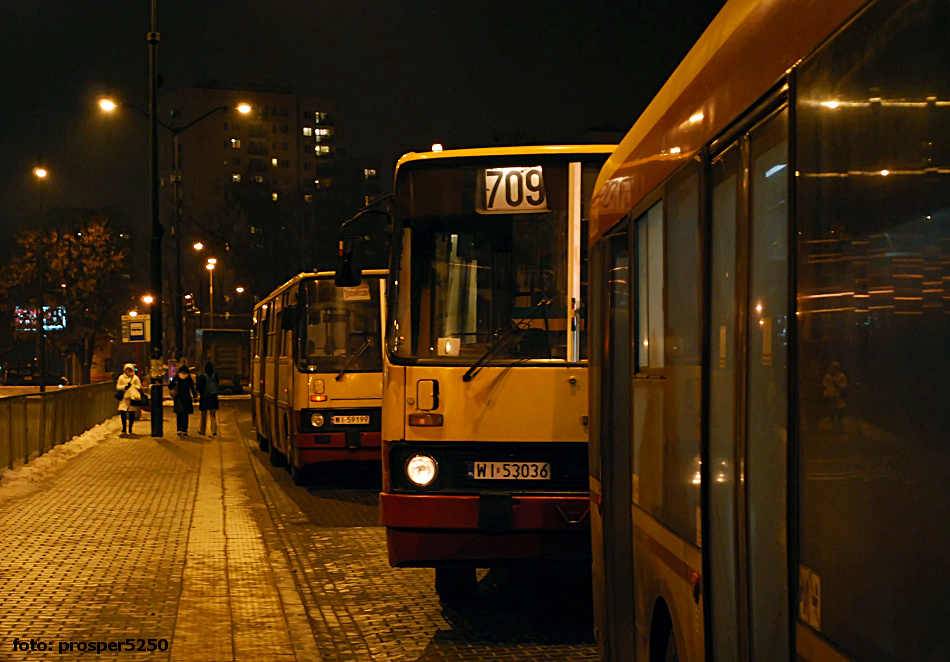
[(32, 424)]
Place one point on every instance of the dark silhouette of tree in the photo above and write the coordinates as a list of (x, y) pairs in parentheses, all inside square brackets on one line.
[(86, 272)]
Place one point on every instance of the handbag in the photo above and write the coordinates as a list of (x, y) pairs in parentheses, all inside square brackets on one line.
[(141, 402), (119, 395)]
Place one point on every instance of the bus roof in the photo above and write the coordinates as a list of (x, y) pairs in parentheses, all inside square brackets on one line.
[(743, 53), (530, 150), (323, 275)]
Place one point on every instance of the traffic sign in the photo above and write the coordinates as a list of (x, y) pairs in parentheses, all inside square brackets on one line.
[(136, 328)]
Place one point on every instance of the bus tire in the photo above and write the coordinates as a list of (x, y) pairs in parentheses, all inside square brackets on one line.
[(277, 458), (662, 635), (455, 584), (672, 655), (296, 473)]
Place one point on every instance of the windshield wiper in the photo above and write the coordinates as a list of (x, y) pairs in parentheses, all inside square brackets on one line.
[(502, 339), (349, 364)]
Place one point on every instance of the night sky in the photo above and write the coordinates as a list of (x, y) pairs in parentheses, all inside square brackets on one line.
[(404, 75)]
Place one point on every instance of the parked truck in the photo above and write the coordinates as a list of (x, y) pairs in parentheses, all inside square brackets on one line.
[(229, 351)]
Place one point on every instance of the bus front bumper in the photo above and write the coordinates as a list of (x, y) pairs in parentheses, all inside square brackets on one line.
[(312, 448), (490, 529)]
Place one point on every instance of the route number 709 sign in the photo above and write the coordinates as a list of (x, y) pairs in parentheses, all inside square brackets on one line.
[(511, 191)]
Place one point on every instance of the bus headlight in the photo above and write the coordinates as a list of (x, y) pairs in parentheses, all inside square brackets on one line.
[(422, 469), (316, 420)]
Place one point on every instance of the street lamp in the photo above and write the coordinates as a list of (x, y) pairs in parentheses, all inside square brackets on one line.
[(41, 174), (210, 268)]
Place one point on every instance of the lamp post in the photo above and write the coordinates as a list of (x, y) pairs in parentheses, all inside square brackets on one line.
[(210, 268), (41, 174), (109, 105), (155, 308)]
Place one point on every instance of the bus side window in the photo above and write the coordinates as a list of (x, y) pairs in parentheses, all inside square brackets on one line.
[(648, 246)]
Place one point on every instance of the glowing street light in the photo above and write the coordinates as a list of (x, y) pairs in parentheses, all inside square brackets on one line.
[(198, 245), (107, 105), (148, 298), (210, 268), (244, 108), (239, 290)]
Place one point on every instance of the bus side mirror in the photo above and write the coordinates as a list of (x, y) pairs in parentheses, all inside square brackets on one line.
[(288, 318), (347, 274)]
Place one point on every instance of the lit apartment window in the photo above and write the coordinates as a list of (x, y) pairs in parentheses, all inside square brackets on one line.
[(307, 131), (235, 143), (273, 196), (273, 162), (319, 117), (236, 177), (323, 132), (369, 173), (308, 198), (259, 179), (318, 183), (367, 199), (321, 150)]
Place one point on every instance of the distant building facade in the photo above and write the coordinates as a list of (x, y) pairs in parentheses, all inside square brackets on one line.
[(265, 191)]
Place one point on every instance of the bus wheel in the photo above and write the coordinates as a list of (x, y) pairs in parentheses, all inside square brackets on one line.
[(262, 442), (671, 653), (455, 584), (296, 473), (662, 635), (276, 457)]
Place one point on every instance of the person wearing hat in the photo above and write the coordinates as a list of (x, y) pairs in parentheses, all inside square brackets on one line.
[(182, 387), (128, 388)]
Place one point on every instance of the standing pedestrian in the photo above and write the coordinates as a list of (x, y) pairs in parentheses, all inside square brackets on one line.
[(834, 384), (128, 388), (182, 388), (208, 399)]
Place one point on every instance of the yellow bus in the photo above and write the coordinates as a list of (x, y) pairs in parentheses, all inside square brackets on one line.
[(316, 370), (770, 274), (485, 379)]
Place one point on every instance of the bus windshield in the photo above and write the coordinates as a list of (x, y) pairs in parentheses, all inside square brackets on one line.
[(476, 271), (341, 327)]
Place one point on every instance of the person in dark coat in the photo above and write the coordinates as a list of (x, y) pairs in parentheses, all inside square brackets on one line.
[(208, 399), (185, 393)]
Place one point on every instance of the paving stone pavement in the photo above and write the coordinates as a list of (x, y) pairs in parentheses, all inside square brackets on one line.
[(196, 543)]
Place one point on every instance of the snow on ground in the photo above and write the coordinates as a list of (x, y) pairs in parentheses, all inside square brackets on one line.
[(28, 477)]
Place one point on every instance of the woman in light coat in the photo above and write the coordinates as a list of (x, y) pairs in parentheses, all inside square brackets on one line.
[(130, 386)]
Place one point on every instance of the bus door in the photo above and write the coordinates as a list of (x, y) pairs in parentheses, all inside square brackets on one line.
[(616, 461), (746, 568)]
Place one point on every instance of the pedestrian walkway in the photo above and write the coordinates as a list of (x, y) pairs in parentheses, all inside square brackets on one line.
[(146, 549)]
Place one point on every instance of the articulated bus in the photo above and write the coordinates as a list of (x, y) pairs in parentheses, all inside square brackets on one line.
[(485, 387), (770, 275), (316, 372)]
